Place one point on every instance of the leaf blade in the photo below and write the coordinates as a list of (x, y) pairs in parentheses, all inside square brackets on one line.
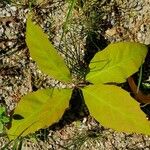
[(118, 111), (44, 53), (39, 110), (116, 62)]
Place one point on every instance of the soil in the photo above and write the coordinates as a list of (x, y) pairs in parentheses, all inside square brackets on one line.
[(93, 25)]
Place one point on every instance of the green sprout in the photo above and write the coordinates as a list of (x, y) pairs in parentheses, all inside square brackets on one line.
[(4, 119)]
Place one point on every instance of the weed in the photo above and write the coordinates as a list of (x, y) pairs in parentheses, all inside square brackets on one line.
[(46, 106), (4, 119)]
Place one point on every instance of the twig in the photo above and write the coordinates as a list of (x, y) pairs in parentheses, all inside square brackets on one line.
[(139, 96)]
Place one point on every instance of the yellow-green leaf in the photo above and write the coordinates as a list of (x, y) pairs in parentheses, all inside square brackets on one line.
[(38, 110), (115, 108), (116, 62), (44, 53)]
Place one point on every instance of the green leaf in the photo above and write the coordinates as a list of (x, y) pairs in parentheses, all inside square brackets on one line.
[(1, 127), (38, 110), (2, 110), (116, 62), (44, 53), (115, 108), (5, 119)]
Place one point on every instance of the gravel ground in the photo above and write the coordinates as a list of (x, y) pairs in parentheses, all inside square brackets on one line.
[(105, 21)]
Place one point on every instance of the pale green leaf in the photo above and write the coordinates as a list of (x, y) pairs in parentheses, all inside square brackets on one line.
[(44, 53), (116, 62), (38, 110), (115, 108)]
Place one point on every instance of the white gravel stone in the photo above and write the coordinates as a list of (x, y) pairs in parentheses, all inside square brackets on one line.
[(13, 8)]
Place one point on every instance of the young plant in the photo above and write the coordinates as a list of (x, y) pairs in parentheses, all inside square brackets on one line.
[(4, 119), (112, 106)]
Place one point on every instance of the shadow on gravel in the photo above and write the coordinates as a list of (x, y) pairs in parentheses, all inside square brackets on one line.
[(94, 43)]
